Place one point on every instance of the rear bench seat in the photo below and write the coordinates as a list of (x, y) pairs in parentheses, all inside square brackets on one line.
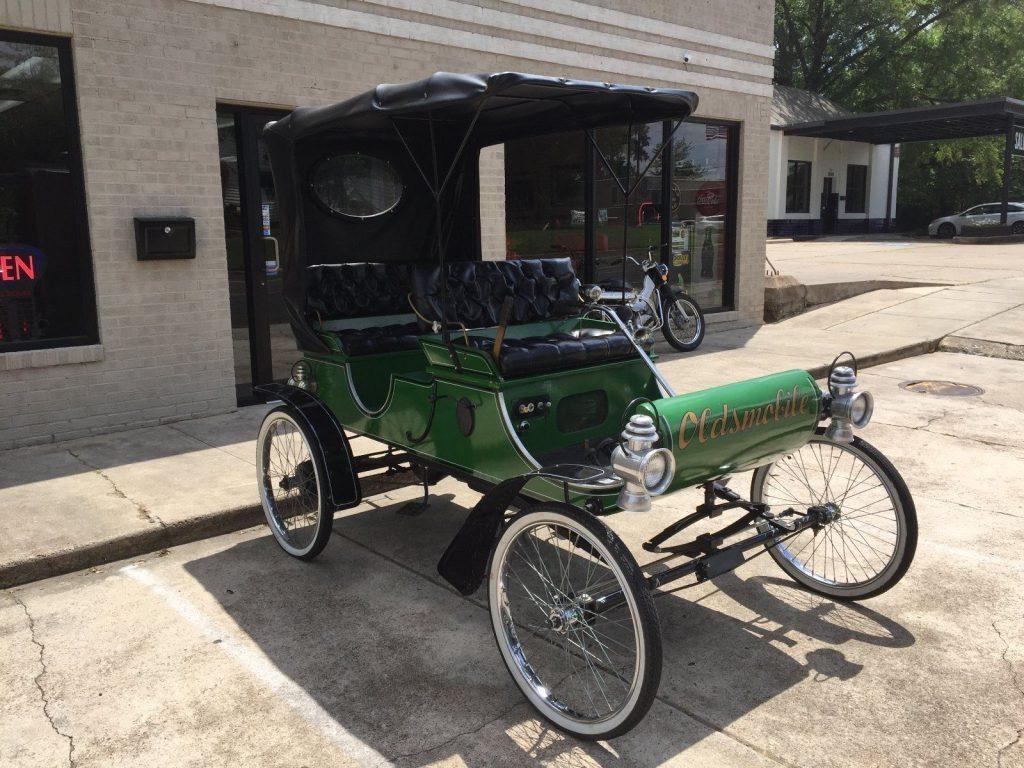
[(542, 289), (361, 294)]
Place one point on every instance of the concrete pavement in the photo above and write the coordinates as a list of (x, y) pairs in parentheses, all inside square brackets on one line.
[(826, 270), (75, 504), (227, 652), (894, 258), (877, 327)]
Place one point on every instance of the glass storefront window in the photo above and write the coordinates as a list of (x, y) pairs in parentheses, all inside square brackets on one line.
[(699, 201), (46, 289), (544, 198), (628, 157), (680, 208)]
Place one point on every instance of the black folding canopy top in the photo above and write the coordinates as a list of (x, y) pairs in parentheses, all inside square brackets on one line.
[(431, 133), (990, 117)]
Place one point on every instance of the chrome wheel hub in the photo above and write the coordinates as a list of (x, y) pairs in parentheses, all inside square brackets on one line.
[(564, 620)]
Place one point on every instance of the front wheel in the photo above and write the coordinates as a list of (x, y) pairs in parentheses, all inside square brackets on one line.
[(683, 324), (1017, 228), (291, 482), (947, 231), (870, 543), (592, 674)]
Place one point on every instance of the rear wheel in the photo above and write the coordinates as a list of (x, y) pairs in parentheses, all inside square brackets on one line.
[(871, 542), (947, 230), (684, 322), (291, 477), (592, 674), (1017, 228)]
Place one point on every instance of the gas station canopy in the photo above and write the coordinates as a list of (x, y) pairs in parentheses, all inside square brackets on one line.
[(991, 117)]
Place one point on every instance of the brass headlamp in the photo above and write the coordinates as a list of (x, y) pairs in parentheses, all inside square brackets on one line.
[(646, 470), (848, 408)]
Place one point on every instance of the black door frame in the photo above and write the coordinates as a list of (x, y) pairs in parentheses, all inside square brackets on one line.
[(249, 121)]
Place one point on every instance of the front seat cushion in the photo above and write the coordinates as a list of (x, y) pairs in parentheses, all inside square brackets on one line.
[(557, 352)]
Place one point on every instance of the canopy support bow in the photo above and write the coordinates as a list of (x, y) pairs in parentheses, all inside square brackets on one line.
[(436, 187)]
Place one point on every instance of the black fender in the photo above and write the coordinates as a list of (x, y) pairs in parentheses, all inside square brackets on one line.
[(331, 443), (464, 563)]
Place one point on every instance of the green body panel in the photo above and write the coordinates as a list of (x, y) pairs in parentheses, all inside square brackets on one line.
[(388, 396), (738, 426)]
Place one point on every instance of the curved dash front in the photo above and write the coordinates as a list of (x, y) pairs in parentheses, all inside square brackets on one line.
[(738, 426)]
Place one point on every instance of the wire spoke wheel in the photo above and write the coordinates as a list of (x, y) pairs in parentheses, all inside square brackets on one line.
[(592, 674), (870, 542), (290, 484), (684, 323)]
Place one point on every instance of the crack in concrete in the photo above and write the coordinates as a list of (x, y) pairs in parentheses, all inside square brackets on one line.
[(140, 508), (1020, 691), (43, 671), (462, 734), (968, 506)]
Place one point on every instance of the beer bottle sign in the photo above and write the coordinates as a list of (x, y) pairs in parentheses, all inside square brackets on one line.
[(707, 255)]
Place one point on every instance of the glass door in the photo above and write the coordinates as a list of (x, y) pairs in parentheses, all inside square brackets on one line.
[(264, 348)]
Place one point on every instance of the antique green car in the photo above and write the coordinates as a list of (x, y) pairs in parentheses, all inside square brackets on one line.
[(517, 380)]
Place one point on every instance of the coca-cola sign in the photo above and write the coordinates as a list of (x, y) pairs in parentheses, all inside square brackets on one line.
[(710, 200)]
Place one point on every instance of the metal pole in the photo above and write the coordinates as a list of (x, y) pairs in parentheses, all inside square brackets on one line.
[(664, 252), (888, 192), (589, 212), (612, 315), (1007, 172)]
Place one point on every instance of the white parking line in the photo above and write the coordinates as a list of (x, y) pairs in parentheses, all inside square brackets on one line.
[(261, 669)]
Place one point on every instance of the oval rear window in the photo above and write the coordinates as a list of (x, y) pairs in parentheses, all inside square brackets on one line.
[(357, 185)]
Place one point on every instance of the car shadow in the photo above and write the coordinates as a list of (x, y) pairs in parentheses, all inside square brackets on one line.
[(409, 667)]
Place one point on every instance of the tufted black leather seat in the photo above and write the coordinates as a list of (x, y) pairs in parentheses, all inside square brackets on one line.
[(541, 289), (364, 289), (557, 352)]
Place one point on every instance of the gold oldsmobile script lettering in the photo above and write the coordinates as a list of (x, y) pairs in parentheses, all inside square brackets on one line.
[(707, 425)]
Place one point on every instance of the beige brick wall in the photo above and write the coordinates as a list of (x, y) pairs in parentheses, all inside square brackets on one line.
[(492, 203), (149, 76)]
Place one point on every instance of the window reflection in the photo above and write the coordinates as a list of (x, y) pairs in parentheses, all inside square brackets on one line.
[(627, 153), (699, 196), (544, 205), (546, 210)]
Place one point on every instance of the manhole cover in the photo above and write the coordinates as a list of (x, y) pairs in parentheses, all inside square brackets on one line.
[(947, 388)]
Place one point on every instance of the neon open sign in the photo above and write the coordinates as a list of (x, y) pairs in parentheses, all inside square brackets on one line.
[(20, 266)]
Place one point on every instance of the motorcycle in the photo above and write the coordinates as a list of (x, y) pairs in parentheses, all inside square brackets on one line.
[(657, 305)]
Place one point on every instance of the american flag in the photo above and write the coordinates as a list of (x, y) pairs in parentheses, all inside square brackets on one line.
[(715, 131)]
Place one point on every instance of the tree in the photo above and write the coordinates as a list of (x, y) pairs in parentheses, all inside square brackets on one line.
[(889, 54)]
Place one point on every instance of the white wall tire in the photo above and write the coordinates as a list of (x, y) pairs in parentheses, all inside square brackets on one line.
[(290, 477), (869, 548), (592, 675)]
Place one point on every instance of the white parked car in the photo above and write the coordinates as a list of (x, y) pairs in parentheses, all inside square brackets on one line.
[(985, 215)]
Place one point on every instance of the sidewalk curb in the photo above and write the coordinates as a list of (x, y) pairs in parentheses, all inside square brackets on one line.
[(885, 356), (131, 545), (982, 347)]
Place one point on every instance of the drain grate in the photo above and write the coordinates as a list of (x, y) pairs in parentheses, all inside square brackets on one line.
[(945, 388)]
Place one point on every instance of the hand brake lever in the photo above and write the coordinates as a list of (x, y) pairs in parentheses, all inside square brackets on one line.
[(499, 337)]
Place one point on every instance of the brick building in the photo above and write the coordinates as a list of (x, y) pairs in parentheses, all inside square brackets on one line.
[(114, 111)]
